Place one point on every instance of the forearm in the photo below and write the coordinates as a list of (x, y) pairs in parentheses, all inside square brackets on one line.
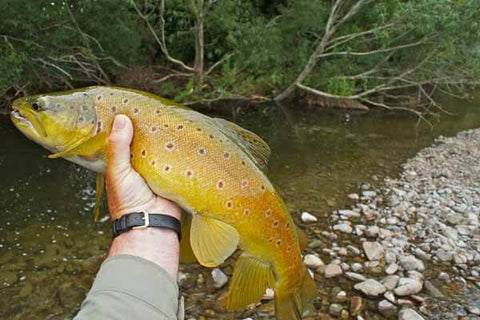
[(157, 245)]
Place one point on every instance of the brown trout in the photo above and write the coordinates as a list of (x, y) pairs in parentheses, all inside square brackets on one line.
[(211, 167)]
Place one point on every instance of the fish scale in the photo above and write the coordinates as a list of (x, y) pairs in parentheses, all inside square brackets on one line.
[(212, 168)]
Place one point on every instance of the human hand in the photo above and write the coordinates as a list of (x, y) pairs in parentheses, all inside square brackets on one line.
[(127, 191)]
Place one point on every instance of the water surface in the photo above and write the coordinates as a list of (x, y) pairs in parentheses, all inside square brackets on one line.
[(50, 249)]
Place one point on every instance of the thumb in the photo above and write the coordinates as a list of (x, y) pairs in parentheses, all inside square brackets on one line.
[(119, 144)]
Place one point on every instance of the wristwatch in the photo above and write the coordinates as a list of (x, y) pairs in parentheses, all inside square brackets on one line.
[(142, 220)]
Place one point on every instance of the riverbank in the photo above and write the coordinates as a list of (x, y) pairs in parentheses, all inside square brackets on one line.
[(410, 249)]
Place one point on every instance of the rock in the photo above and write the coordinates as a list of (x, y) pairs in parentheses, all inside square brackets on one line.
[(371, 287), (391, 269), (405, 302), (386, 308), (372, 231), (341, 296), (443, 276), (390, 296), (373, 250), (219, 278), (369, 194), (349, 213), (313, 261), (343, 227), (354, 250), (269, 294), (390, 282), (408, 286), (473, 310), (353, 196), (411, 263), (357, 304), (432, 290), (335, 309), (333, 270), (357, 266), (409, 314), (308, 217), (355, 276)]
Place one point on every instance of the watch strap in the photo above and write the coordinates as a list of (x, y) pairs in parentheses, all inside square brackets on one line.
[(142, 220)]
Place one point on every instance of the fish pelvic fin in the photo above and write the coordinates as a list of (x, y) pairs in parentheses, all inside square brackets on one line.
[(99, 189), (290, 305), (91, 147), (186, 251), (249, 282), (213, 241)]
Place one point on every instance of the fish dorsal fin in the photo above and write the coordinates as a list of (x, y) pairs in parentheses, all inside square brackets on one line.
[(186, 251), (257, 149), (87, 147), (212, 241), (250, 279)]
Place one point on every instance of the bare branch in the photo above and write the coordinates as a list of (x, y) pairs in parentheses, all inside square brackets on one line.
[(161, 42), (353, 11), (219, 62), (346, 38)]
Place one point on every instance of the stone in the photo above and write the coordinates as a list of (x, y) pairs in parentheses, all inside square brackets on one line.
[(354, 250), (372, 231), (473, 310), (333, 270), (408, 286), (335, 309), (308, 217), (386, 308), (353, 196), (390, 296), (349, 213), (357, 304), (355, 276), (369, 194), (343, 227), (391, 269), (409, 314), (390, 282), (341, 296), (370, 287), (432, 290), (219, 278), (373, 250), (356, 266), (313, 261), (269, 294), (411, 263)]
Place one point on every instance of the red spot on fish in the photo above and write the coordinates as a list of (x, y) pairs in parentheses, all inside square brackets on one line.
[(114, 109), (144, 153), (180, 127), (244, 183), (211, 136), (167, 168), (262, 187), (275, 224), (169, 146), (270, 239), (153, 129), (229, 204), (220, 184), (99, 98), (226, 155), (268, 213), (135, 110), (202, 152), (278, 243), (152, 163), (243, 162), (157, 111), (246, 212), (189, 173), (289, 248), (199, 129), (125, 101), (287, 225)]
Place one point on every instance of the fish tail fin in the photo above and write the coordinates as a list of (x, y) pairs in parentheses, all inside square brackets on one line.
[(290, 306)]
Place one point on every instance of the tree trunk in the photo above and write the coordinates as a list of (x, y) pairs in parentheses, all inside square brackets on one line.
[(199, 44)]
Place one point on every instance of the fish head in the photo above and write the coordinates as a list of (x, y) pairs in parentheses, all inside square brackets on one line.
[(55, 121)]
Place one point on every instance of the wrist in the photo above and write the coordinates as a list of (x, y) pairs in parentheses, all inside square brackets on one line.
[(161, 206)]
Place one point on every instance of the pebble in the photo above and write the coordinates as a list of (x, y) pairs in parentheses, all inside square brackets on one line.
[(333, 270), (219, 278), (371, 287), (357, 304), (408, 286), (313, 261), (409, 314), (355, 276), (335, 309), (386, 308), (391, 269), (473, 310), (343, 227), (353, 196), (390, 282), (308, 217), (432, 290), (411, 263), (373, 250)]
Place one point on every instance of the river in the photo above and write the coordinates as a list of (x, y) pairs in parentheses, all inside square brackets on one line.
[(50, 249)]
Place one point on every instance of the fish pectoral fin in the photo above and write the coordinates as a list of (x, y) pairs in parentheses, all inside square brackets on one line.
[(249, 282), (254, 146), (89, 148), (186, 251), (99, 189), (213, 241)]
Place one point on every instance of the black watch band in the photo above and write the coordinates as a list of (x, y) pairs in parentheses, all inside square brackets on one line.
[(142, 220)]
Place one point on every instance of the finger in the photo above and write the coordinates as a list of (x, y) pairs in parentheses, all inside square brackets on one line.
[(119, 144)]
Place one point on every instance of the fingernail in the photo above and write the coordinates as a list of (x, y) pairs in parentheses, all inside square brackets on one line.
[(119, 123)]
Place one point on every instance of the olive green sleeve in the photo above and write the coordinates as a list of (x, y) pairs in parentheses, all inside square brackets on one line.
[(129, 287)]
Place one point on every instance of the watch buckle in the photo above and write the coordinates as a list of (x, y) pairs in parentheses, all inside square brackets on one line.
[(146, 220)]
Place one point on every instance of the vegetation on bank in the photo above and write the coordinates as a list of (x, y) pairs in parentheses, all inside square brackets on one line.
[(352, 53)]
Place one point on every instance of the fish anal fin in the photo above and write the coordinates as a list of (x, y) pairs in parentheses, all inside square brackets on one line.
[(88, 148), (186, 251), (99, 189), (249, 142), (213, 241), (249, 282)]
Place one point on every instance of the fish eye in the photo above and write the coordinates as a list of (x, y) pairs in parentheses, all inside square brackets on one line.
[(35, 106)]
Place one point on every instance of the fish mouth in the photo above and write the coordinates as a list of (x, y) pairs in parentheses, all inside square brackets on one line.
[(28, 124)]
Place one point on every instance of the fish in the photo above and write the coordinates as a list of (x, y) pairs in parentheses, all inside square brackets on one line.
[(212, 168)]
